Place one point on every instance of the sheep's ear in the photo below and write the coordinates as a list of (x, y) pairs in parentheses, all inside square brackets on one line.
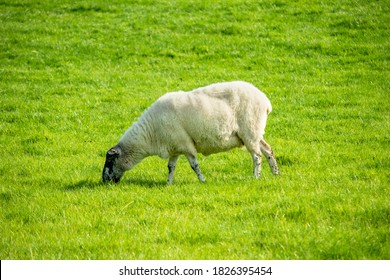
[(114, 152)]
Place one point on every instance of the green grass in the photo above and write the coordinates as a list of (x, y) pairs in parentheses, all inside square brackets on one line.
[(74, 75)]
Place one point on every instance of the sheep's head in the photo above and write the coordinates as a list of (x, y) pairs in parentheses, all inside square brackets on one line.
[(113, 171)]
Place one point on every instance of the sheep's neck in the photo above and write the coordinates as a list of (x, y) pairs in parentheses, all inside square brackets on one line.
[(137, 140)]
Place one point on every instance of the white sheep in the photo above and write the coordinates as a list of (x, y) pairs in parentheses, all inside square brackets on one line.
[(207, 120)]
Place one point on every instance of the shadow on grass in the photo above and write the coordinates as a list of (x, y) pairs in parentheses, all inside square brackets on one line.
[(146, 183), (87, 184), (83, 184)]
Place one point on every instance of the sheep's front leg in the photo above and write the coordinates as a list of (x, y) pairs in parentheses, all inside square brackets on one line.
[(195, 166), (171, 168), (267, 151)]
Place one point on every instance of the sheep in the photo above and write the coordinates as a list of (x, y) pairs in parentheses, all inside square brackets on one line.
[(206, 120)]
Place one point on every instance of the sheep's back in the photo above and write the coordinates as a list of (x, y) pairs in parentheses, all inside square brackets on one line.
[(211, 117)]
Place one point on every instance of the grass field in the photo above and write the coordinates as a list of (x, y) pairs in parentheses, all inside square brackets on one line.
[(74, 75)]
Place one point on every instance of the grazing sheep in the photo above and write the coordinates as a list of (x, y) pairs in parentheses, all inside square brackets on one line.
[(207, 120)]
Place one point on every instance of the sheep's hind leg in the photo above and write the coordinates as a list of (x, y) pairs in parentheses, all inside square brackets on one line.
[(195, 166), (256, 158), (267, 151), (255, 152), (171, 168)]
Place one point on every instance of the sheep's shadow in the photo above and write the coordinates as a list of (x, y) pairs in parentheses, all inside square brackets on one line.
[(142, 182), (83, 184), (146, 183)]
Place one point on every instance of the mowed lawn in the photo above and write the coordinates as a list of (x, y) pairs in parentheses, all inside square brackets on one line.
[(74, 75)]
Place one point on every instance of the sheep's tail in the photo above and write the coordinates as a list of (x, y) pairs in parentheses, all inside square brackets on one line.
[(269, 108), (266, 110)]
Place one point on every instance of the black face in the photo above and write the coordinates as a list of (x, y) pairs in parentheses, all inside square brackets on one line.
[(111, 171)]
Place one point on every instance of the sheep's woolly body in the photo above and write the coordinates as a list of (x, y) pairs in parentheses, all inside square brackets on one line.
[(206, 120)]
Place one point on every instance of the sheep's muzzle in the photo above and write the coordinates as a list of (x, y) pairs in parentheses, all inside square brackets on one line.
[(111, 173)]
